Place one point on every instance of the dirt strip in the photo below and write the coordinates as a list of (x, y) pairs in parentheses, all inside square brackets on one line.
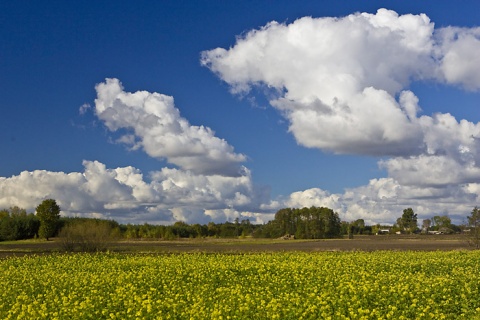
[(358, 243)]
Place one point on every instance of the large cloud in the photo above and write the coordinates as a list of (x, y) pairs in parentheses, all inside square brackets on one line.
[(337, 77), (124, 194), (342, 84), (155, 125)]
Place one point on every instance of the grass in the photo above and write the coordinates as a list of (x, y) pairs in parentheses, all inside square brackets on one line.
[(20, 242)]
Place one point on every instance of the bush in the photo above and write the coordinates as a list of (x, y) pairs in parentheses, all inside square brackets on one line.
[(87, 235)]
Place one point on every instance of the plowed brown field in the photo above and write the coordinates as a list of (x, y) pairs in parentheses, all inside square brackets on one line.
[(358, 243)]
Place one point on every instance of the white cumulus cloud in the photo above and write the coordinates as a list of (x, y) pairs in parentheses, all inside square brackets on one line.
[(125, 195), (155, 125), (342, 83), (337, 78)]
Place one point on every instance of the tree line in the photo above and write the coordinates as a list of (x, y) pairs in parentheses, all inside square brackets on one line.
[(305, 223), (408, 223), (17, 224), (300, 223)]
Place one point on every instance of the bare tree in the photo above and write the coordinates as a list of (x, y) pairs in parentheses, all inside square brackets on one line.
[(426, 224)]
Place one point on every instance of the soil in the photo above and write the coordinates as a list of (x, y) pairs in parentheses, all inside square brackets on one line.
[(358, 243)]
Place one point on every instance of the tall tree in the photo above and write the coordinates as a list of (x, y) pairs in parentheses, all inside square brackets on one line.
[(285, 219), (408, 221), (48, 212), (332, 223), (474, 224)]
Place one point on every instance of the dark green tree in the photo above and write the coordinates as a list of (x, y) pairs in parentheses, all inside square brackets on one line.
[(408, 221), (304, 223), (181, 229), (332, 223), (48, 212), (16, 224), (358, 226), (227, 230), (317, 223), (285, 220)]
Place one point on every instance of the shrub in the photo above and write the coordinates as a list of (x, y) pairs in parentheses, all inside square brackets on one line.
[(87, 235)]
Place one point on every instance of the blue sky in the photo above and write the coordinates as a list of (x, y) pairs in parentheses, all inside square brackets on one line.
[(276, 133)]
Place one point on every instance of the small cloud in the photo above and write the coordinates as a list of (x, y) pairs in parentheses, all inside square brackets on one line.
[(129, 140), (84, 108)]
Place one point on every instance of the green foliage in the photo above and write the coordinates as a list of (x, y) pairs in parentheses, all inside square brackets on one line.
[(288, 221), (356, 227), (181, 229), (131, 231), (16, 224), (306, 223), (169, 234), (443, 224), (408, 221), (48, 212), (228, 230)]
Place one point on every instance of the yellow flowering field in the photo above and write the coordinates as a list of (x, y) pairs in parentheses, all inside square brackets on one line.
[(290, 285)]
